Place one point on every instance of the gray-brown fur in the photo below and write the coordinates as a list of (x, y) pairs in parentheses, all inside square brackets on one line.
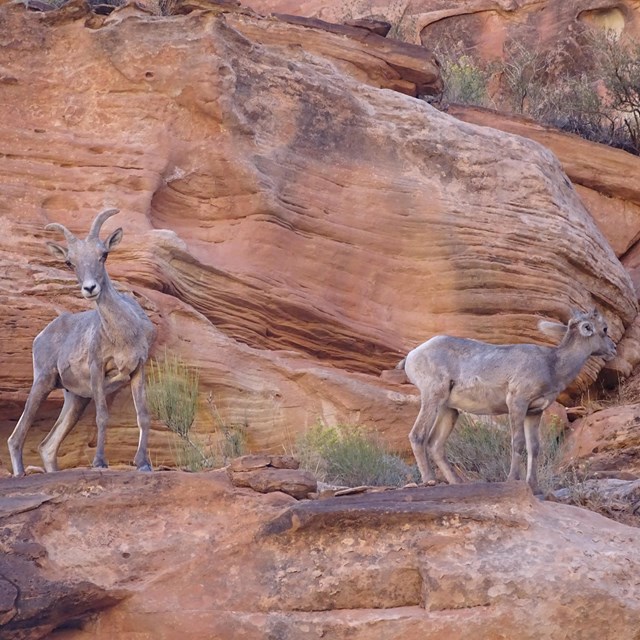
[(89, 354), (521, 380)]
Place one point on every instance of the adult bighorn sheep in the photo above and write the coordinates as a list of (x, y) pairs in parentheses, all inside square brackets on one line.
[(89, 354), (521, 380)]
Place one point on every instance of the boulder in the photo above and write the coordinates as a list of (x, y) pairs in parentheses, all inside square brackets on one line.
[(607, 440), (599, 172), (267, 474), (294, 482)]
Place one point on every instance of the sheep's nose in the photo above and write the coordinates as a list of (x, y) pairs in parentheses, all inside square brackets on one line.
[(90, 288)]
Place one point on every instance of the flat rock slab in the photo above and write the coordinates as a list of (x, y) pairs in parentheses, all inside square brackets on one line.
[(473, 501), (258, 461)]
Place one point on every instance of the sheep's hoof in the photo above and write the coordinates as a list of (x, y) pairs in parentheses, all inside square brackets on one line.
[(100, 463), (429, 483), (145, 467)]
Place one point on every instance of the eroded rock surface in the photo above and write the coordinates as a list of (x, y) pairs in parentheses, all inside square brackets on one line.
[(292, 225), (608, 440), (267, 474), (480, 25), (198, 558)]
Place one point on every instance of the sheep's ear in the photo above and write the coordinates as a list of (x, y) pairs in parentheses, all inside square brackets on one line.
[(586, 329), (57, 251), (114, 239), (555, 330)]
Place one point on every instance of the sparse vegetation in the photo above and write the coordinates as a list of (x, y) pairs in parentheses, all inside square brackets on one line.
[(481, 450), (466, 81), (172, 390), (350, 456), (232, 441), (600, 102), (615, 499)]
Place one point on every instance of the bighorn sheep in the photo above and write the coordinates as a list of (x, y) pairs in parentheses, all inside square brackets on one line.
[(521, 380), (89, 354)]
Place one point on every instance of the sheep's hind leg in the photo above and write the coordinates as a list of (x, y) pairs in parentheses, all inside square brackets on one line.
[(445, 422), (419, 435), (72, 410)]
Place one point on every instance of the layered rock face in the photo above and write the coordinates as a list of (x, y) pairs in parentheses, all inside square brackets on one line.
[(168, 555), (295, 219), (483, 26)]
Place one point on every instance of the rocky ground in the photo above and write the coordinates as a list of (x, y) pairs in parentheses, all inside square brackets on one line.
[(107, 554)]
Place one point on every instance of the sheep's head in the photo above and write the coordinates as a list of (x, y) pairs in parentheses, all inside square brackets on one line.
[(87, 257), (590, 328)]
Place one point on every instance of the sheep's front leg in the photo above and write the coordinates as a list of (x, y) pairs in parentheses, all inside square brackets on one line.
[(42, 386), (71, 412), (102, 415), (517, 413), (138, 391), (532, 435)]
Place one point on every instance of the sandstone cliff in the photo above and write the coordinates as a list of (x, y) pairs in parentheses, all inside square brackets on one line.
[(295, 219), (480, 25)]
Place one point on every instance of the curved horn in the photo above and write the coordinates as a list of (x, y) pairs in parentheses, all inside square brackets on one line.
[(56, 226), (99, 221)]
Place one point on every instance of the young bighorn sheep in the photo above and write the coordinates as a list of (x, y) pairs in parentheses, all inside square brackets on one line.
[(89, 354), (521, 380)]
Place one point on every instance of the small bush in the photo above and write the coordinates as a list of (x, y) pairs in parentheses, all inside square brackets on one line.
[(466, 81), (481, 449), (348, 455), (172, 393), (232, 441)]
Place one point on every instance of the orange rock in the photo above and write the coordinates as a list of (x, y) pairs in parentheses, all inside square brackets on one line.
[(292, 226), (294, 482), (608, 440), (599, 172), (202, 559)]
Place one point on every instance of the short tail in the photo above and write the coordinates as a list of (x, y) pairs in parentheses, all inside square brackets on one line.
[(401, 364)]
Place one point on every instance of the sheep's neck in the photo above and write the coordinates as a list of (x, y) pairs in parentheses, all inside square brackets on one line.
[(571, 354), (116, 318)]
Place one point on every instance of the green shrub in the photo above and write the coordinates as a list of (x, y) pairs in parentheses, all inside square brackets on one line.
[(599, 102), (481, 449), (348, 455), (172, 394), (466, 81)]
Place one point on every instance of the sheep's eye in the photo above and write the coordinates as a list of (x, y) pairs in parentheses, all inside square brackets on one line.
[(69, 264), (605, 331)]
